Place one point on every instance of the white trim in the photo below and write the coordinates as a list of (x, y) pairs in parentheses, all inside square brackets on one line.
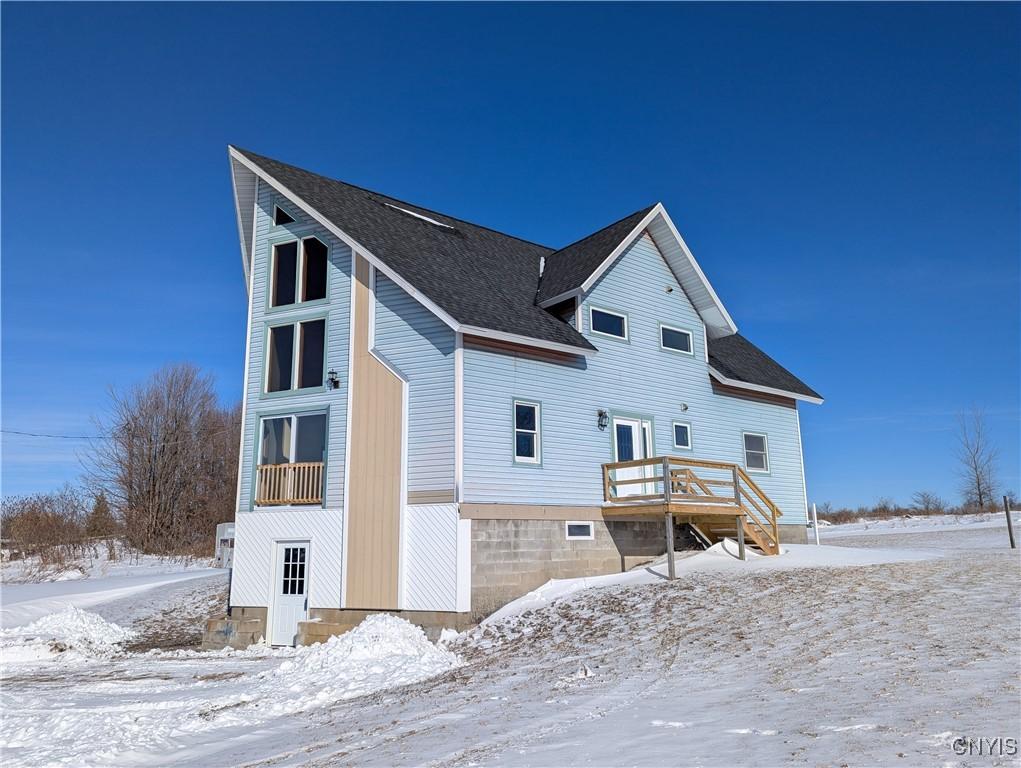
[(758, 388), (673, 434), (801, 459), (705, 343), (685, 331), (372, 308), (591, 530), (546, 303), (408, 288), (458, 417), (765, 452), (537, 432), (514, 338), (622, 315), (347, 426), (248, 365)]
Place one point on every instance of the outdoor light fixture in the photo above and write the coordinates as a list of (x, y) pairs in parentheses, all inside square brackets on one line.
[(684, 407), (333, 379), (603, 418)]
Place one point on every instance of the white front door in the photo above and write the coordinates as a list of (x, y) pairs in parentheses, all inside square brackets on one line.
[(290, 602), (632, 439)]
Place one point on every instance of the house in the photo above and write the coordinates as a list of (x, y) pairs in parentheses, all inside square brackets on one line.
[(439, 417)]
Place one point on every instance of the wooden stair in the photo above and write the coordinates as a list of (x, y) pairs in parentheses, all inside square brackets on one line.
[(710, 533)]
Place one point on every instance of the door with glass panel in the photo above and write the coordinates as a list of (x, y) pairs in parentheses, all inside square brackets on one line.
[(292, 457), (290, 601), (632, 440)]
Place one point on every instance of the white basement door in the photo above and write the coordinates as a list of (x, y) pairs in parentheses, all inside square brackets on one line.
[(290, 604)]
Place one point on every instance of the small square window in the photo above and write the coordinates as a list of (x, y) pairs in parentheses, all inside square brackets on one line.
[(682, 435), (756, 452), (676, 339), (608, 323), (579, 530)]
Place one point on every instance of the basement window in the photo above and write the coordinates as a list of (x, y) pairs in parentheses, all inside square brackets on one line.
[(675, 339), (576, 530), (297, 279), (296, 356), (756, 452), (607, 323), (281, 217)]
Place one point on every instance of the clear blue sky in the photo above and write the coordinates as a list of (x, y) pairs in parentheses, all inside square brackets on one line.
[(847, 175)]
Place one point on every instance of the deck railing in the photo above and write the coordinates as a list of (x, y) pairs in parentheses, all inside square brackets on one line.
[(699, 486), (298, 483)]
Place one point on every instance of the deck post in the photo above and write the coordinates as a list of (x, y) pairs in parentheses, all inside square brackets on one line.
[(740, 537), (670, 567)]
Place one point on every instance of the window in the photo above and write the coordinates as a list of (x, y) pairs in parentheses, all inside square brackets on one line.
[(293, 439), (608, 323), (291, 273), (281, 217), (575, 530), (298, 365), (682, 435), (756, 453), (526, 432), (676, 339), (294, 571)]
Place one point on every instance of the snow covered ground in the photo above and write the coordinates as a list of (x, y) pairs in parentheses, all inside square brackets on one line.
[(879, 648)]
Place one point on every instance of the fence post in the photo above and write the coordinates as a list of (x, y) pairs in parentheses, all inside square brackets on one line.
[(815, 524), (1010, 523)]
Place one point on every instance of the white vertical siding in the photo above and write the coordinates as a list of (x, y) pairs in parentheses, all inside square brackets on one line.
[(430, 557), (421, 346), (633, 377)]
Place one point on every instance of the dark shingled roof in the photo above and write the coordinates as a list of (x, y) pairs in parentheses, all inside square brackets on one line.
[(737, 358), (477, 276), (569, 267), (487, 279)]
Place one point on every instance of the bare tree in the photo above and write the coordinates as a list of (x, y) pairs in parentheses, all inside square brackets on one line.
[(169, 463), (977, 458), (927, 503)]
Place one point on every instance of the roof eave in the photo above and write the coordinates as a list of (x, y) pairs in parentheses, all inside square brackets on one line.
[(763, 389)]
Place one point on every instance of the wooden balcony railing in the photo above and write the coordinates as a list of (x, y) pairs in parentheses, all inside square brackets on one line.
[(698, 487), (300, 483)]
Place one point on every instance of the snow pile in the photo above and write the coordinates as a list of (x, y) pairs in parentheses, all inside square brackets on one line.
[(86, 634), (382, 652)]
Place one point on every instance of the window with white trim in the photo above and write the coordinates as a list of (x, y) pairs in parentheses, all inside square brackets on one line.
[(607, 323), (756, 452), (574, 530), (281, 217), (527, 444), (682, 435), (295, 357), (676, 339), (296, 279)]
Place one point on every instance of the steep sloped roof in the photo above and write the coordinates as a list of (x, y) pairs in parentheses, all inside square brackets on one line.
[(569, 267), (477, 276), (737, 359)]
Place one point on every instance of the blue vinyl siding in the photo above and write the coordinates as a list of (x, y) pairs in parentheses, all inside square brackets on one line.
[(421, 346), (336, 309), (637, 378)]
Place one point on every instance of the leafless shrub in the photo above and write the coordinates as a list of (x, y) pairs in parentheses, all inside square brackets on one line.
[(926, 503), (169, 466), (48, 525)]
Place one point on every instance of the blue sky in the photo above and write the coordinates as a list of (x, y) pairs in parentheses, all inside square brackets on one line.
[(847, 175)]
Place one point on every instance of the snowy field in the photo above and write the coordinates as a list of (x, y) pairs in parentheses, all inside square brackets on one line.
[(879, 648)]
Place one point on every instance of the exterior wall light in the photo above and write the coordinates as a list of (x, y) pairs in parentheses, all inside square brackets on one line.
[(684, 407), (602, 418), (333, 379)]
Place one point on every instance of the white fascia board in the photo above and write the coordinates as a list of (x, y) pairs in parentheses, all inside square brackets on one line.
[(661, 211), (471, 330), (396, 278), (547, 303), (759, 388)]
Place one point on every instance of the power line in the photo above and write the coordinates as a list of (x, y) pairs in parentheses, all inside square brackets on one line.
[(55, 437)]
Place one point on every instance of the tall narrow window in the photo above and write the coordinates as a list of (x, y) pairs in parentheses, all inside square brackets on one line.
[(313, 279), (295, 358), (281, 358), (285, 265), (526, 432), (276, 441), (756, 453), (682, 435)]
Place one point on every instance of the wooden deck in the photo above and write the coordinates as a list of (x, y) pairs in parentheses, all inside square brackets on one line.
[(717, 499)]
